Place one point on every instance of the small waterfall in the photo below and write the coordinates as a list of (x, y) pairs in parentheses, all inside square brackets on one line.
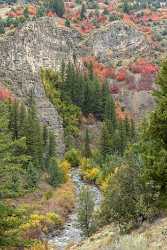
[(71, 233)]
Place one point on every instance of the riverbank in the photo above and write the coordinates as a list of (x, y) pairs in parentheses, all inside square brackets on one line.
[(71, 234), (46, 207)]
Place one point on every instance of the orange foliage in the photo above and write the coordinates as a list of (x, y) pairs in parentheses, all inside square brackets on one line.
[(50, 13), (121, 74), (143, 66), (100, 70), (5, 94), (121, 115)]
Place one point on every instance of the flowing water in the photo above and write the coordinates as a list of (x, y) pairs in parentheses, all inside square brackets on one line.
[(70, 232)]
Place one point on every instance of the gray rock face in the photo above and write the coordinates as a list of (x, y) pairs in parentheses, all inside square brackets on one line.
[(37, 44), (117, 40), (41, 43)]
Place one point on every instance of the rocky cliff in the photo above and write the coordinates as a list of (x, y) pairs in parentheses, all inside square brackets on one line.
[(117, 41), (41, 43), (37, 44)]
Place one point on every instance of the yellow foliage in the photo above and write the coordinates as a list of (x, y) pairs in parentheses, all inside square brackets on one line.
[(89, 171), (41, 221), (65, 166), (91, 174)]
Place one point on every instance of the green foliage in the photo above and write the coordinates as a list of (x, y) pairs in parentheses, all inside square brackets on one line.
[(57, 6), (86, 212), (26, 13), (69, 112), (83, 12), (56, 175), (67, 23), (73, 157), (10, 220), (87, 149), (154, 138)]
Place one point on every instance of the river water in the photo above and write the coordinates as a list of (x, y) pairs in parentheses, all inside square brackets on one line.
[(71, 233)]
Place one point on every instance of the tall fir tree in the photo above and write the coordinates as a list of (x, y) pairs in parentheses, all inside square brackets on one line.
[(87, 149)]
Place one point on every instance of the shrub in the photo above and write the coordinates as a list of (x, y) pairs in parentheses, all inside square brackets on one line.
[(73, 157), (38, 224), (89, 170), (65, 166)]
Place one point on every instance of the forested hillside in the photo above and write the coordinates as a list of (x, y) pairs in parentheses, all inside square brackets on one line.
[(83, 125)]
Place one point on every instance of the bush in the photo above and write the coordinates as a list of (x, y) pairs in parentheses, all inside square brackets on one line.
[(65, 166), (73, 157)]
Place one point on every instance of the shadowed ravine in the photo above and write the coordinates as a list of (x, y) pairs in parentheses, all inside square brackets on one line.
[(71, 233)]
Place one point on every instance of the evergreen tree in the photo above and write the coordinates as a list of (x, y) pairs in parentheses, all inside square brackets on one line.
[(154, 137), (34, 137), (87, 150), (56, 175), (85, 212), (13, 120), (83, 12), (110, 115), (22, 121), (32, 175), (67, 23), (105, 143), (25, 12), (10, 220), (104, 95), (57, 6)]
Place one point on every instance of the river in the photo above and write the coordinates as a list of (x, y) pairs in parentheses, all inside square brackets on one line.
[(71, 233)]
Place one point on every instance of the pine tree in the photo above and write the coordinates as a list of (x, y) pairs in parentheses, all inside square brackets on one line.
[(57, 6), (83, 12), (154, 137), (86, 212), (22, 121), (110, 115), (34, 137), (87, 150), (105, 143), (56, 176), (104, 95), (32, 175), (13, 119)]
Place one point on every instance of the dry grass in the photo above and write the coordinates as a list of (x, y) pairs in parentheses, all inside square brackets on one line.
[(48, 199)]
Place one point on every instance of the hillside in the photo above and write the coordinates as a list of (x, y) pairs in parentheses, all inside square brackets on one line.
[(83, 125), (148, 237)]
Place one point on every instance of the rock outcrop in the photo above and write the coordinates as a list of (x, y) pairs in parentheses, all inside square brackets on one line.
[(41, 43), (117, 41), (37, 44)]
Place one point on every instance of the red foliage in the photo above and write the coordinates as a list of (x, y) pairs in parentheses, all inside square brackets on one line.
[(50, 13), (121, 114), (12, 14), (121, 74), (99, 69), (5, 94), (114, 89), (143, 67)]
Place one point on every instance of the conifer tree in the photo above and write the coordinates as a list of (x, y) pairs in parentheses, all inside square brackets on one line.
[(32, 175), (56, 175), (22, 121), (13, 120), (110, 115), (105, 143), (154, 137), (83, 12), (87, 149)]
